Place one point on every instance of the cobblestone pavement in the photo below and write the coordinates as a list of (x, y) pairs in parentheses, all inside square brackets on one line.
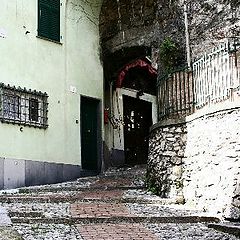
[(112, 206)]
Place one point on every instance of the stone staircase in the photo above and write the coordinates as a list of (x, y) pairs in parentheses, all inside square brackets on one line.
[(117, 199)]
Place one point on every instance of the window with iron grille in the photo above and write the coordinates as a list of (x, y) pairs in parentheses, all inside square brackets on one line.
[(22, 106), (49, 19)]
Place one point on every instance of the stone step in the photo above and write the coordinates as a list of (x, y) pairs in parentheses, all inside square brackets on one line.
[(73, 189), (117, 219), (108, 183), (230, 228), (73, 198)]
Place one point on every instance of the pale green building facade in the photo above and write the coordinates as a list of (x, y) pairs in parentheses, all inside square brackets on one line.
[(40, 140)]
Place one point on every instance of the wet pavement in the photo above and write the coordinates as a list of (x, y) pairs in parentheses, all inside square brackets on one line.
[(114, 205)]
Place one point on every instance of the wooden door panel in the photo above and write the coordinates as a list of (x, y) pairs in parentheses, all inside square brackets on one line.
[(89, 148), (137, 121)]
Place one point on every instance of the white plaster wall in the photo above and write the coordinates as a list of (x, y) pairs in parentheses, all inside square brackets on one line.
[(31, 62)]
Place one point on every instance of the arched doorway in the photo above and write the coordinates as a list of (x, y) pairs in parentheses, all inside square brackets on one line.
[(133, 112), (137, 76)]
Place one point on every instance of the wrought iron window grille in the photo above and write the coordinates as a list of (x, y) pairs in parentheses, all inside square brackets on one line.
[(23, 107)]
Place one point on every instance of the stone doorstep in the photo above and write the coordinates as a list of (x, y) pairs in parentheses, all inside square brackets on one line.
[(226, 228), (115, 219)]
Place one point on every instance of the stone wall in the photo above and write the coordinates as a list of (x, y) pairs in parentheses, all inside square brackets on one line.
[(198, 160), (211, 169), (166, 152), (126, 23)]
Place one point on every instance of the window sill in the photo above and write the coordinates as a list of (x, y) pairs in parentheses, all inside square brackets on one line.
[(48, 39)]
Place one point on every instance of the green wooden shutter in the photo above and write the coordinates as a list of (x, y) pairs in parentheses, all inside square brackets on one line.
[(49, 19)]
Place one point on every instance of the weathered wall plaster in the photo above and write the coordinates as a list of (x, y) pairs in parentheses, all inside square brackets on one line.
[(34, 63)]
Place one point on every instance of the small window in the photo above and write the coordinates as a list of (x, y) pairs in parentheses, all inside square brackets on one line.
[(20, 106), (49, 19)]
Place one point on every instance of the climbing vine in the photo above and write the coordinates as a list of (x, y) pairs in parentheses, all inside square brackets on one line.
[(169, 54)]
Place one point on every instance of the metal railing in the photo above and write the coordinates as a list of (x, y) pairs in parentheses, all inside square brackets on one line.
[(214, 78), (175, 94), (216, 74)]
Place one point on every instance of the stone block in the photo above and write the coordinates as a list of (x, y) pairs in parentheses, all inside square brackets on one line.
[(53, 173), (35, 173), (71, 172), (1, 173), (14, 173)]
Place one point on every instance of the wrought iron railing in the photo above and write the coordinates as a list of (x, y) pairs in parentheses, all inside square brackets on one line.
[(216, 74), (214, 78), (175, 94)]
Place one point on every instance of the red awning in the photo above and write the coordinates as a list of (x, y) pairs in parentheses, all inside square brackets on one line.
[(139, 63)]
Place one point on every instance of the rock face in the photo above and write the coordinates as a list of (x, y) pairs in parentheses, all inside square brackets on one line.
[(199, 160), (210, 22), (146, 23), (126, 23)]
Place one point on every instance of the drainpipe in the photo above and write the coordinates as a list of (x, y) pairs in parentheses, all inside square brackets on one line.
[(187, 35)]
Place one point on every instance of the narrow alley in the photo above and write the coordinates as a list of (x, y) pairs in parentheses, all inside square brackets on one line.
[(114, 205)]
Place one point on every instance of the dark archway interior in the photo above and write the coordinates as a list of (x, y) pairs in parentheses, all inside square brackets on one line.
[(139, 79), (113, 62)]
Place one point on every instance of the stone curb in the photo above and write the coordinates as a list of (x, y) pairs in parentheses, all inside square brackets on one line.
[(226, 228), (75, 189), (120, 219)]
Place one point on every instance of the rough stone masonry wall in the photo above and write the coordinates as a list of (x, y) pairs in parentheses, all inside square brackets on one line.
[(210, 22), (166, 152), (199, 161), (211, 169), (128, 23)]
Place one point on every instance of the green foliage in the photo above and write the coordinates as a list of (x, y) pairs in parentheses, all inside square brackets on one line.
[(151, 185), (169, 54)]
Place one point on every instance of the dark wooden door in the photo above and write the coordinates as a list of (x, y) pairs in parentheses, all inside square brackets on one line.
[(89, 130), (137, 121)]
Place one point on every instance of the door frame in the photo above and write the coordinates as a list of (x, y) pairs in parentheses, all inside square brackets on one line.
[(136, 105), (99, 131), (118, 155)]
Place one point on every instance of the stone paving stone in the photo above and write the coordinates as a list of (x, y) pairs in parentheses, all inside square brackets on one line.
[(46, 231), (94, 210), (187, 231), (115, 232), (6, 233), (101, 195), (112, 182)]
